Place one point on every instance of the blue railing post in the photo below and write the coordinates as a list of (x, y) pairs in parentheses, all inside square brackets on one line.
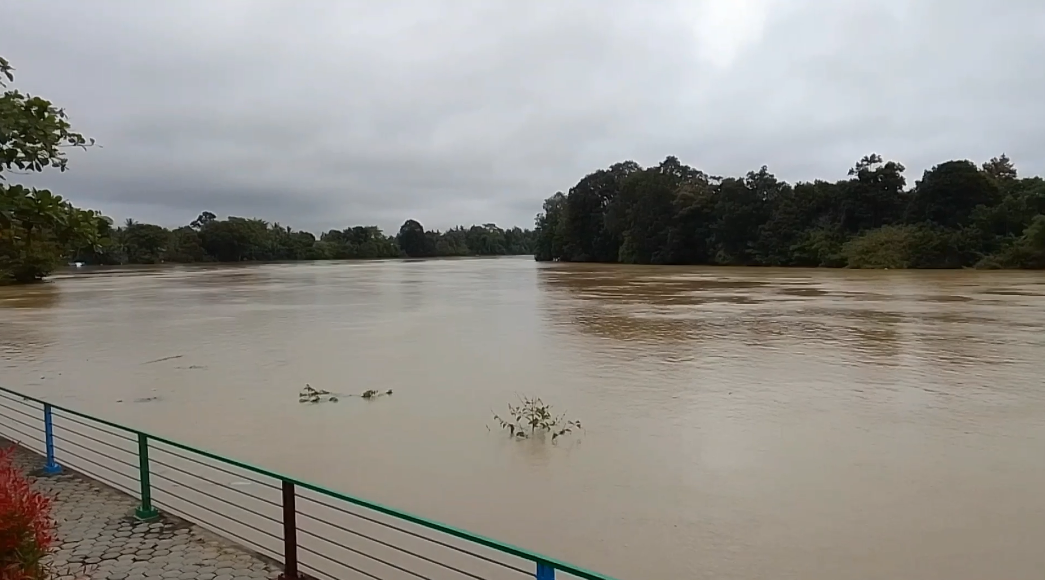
[(545, 571), (51, 467)]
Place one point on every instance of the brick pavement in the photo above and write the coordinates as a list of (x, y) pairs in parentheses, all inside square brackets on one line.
[(99, 538)]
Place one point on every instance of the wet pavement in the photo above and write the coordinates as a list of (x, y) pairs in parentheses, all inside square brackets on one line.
[(99, 537)]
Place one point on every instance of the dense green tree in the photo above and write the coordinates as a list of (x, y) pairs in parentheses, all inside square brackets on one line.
[(235, 239), (641, 214), (1027, 251), (36, 226), (358, 243), (144, 243), (948, 194), (185, 246), (1001, 169), (486, 240), (693, 212), (204, 219), (412, 240), (957, 215), (587, 237), (875, 194), (550, 243)]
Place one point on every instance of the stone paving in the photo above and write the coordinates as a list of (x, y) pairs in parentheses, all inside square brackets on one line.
[(99, 537)]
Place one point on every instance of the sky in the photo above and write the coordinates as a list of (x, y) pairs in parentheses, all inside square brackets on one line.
[(329, 114)]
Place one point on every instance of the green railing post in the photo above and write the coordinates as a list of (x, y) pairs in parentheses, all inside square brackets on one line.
[(145, 511)]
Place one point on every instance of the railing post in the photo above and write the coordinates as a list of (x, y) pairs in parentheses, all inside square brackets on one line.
[(145, 511), (51, 467), (290, 533), (545, 571)]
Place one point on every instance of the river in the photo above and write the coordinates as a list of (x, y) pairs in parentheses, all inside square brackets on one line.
[(739, 423)]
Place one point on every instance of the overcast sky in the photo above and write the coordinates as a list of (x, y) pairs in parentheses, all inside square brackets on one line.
[(323, 114)]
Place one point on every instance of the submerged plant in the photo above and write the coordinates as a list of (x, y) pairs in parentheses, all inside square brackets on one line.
[(533, 417), (310, 395)]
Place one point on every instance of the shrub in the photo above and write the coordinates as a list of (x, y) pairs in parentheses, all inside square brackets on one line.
[(26, 526), (886, 247), (911, 246), (1028, 251), (532, 416)]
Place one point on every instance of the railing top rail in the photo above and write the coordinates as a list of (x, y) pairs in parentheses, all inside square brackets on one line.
[(389, 511)]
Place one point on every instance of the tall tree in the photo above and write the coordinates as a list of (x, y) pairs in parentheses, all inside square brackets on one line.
[(948, 193), (37, 225), (412, 240)]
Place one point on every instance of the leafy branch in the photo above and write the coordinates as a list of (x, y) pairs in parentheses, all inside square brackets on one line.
[(533, 417)]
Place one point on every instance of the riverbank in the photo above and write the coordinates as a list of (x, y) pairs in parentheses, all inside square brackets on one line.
[(99, 538)]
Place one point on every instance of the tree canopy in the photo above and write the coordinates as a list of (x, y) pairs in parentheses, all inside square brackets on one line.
[(36, 226), (957, 215), (238, 239)]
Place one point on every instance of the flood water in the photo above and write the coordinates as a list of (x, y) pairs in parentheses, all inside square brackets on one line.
[(739, 423)]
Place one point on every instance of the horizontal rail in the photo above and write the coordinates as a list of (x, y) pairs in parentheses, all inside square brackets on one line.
[(17, 399), (225, 516), (215, 483), (545, 567), (217, 468), (98, 476), (363, 554), (108, 444), (95, 427), (20, 422), (221, 531), (126, 464), (25, 437), (409, 533), (17, 411), (394, 547), (252, 512)]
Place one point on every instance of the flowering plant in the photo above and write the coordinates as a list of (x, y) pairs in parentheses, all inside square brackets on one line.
[(27, 530)]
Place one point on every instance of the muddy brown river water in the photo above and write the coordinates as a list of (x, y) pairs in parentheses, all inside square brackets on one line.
[(739, 423)]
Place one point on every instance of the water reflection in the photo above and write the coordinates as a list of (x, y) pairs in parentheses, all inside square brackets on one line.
[(39, 296), (26, 322), (853, 314), (412, 289)]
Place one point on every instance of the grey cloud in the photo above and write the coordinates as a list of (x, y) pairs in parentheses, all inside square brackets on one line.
[(328, 114)]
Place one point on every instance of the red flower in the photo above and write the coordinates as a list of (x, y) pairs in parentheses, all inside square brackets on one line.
[(26, 526)]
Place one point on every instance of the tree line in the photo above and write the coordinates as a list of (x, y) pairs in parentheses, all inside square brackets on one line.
[(957, 215), (40, 230), (237, 239)]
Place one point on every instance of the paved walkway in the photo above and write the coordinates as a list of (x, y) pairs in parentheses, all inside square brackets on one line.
[(99, 538)]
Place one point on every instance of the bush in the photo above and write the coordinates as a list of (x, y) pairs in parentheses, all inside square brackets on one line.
[(911, 246), (533, 417), (888, 247), (26, 526)]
